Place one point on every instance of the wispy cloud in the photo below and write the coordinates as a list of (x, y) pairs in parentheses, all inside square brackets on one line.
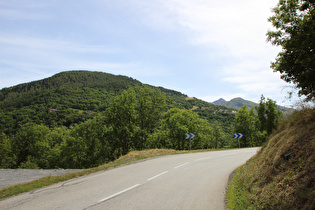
[(205, 48), (45, 44), (10, 10), (238, 25), (231, 30), (44, 57)]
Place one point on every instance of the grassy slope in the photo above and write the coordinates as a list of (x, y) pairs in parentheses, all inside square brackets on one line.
[(270, 180)]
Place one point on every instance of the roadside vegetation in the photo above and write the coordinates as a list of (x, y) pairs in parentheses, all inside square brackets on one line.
[(133, 121), (81, 119), (282, 174)]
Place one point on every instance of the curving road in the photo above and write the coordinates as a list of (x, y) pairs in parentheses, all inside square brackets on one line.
[(188, 181)]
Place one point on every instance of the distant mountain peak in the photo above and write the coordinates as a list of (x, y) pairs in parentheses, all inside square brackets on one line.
[(238, 102), (219, 102), (235, 103)]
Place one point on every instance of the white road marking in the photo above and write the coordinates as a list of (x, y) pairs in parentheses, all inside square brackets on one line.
[(181, 165), (203, 158), (157, 175), (229, 154), (119, 193)]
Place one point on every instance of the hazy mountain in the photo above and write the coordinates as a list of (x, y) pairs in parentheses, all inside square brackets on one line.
[(237, 103)]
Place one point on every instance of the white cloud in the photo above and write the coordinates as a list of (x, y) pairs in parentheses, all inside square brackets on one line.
[(36, 58), (223, 43), (51, 45), (234, 29), (238, 25)]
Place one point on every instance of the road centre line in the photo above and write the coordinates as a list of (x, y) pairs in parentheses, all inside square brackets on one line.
[(119, 193), (160, 174), (205, 158), (157, 175), (180, 165), (228, 154)]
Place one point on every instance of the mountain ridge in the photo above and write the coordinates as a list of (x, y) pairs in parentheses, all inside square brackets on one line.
[(238, 102)]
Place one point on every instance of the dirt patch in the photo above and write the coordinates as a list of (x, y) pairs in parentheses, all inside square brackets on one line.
[(189, 98), (10, 177)]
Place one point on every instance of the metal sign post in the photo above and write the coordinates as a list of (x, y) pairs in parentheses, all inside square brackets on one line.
[(190, 136), (238, 136)]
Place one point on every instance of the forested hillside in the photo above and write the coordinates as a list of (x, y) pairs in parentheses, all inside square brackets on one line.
[(74, 96), (79, 119)]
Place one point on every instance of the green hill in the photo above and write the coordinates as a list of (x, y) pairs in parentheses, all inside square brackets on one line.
[(74, 96), (282, 174), (80, 119)]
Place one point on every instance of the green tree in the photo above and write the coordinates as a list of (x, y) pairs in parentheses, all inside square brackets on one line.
[(150, 104), (177, 122), (85, 133), (30, 144), (176, 125), (218, 136), (204, 138), (256, 127), (6, 156), (121, 118), (159, 139), (245, 123), (261, 111), (73, 151), (273, 115), (294, 21), (268, 115)]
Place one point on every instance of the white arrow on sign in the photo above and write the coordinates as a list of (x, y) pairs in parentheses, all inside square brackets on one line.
[(238, 135), (190, 136)]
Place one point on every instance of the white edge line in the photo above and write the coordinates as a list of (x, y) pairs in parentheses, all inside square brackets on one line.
[(119, 193), (157, 175), (181, 165)]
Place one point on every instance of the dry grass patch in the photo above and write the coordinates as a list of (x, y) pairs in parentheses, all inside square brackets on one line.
[(189, 98), (194, 108)]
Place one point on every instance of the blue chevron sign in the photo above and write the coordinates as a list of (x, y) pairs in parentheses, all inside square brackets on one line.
[(190, 136), (238, 135)]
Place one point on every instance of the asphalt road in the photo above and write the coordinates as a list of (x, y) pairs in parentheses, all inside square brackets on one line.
[(188, 181), (10, 177)]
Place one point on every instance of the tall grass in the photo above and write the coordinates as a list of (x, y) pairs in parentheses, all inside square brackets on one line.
[(282, 174)]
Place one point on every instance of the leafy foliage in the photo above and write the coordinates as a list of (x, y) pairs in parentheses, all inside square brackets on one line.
[(257, 127), (294, 21), (80, 119)]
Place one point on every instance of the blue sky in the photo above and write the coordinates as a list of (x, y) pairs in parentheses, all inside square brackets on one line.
[(203, 48)]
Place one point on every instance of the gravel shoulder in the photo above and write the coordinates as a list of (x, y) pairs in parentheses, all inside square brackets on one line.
[(10, 177)]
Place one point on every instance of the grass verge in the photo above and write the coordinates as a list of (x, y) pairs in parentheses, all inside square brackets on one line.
[(131, 157), (282, 174)]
